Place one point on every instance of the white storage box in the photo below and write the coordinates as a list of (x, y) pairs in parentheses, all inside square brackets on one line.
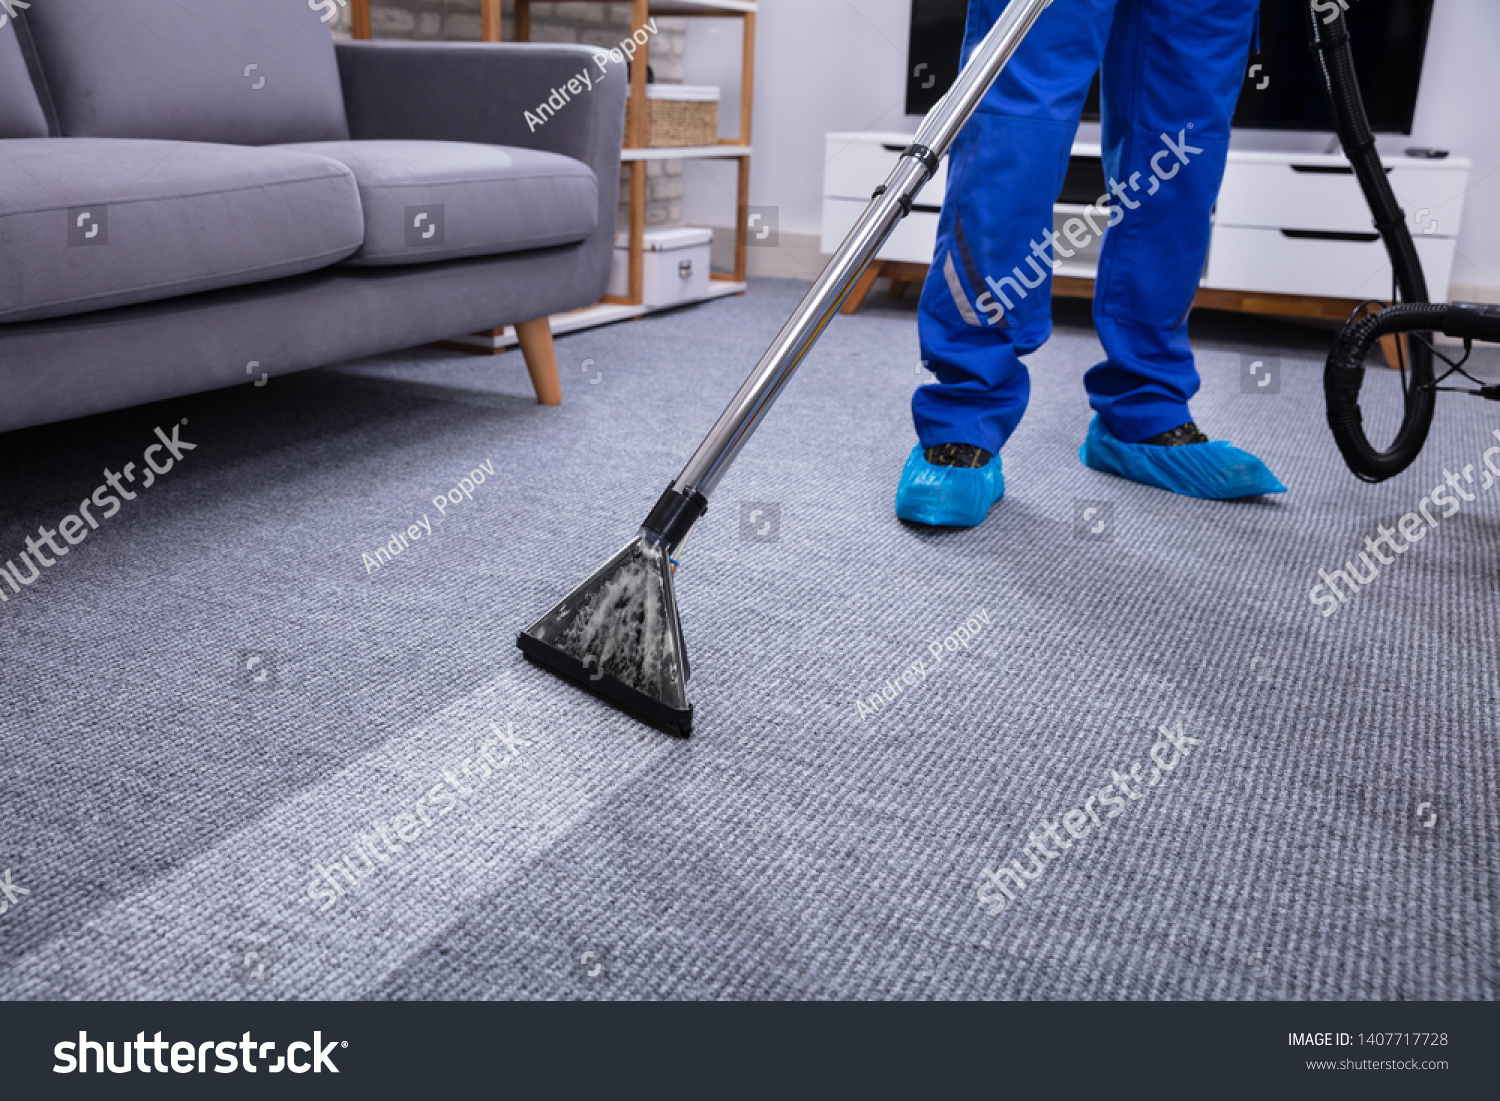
[(676, 265)]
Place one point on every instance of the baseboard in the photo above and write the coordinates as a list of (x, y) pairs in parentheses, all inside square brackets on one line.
[(793, 256), (1474, 292)]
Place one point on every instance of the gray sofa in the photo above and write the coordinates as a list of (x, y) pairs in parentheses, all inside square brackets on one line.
[(188, 187)]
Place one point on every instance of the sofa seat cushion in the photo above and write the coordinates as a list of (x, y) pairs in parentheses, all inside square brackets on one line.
[(90, 223), (426, 201)]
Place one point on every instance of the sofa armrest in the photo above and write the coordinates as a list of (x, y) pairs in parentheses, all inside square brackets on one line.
[(482, 92)]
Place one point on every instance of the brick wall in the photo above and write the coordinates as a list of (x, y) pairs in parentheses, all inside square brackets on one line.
[(593, 24)]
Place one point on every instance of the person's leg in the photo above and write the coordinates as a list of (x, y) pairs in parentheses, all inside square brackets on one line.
[(1004, 173), (1171, 78), (986, 300)]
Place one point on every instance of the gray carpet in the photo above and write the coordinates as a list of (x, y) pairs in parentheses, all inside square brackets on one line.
[(210, 697)]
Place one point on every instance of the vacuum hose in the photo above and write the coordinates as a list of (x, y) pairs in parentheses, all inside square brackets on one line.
[(1345, 369), (1345, 372)]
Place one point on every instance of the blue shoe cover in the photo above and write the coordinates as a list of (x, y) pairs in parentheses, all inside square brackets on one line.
[(1216, 471), (947, 496)]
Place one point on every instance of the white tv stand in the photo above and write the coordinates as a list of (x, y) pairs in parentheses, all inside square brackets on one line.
[(1292, 234)]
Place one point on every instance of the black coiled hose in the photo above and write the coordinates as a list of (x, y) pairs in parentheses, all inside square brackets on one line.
[(1345, 372), (1345, 369)]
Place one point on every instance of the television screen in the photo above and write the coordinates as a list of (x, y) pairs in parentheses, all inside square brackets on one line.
[(932, 52), (1389, 39)]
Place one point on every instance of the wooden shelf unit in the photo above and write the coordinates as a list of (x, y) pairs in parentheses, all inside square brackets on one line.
[(636, 153)]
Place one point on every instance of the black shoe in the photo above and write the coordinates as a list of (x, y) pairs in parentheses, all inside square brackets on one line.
[(1180, 436), (957, 454)]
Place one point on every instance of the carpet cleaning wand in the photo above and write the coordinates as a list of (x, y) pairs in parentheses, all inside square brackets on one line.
[(618, 635)]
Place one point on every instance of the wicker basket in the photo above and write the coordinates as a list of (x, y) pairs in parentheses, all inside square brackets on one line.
[(677, 115)]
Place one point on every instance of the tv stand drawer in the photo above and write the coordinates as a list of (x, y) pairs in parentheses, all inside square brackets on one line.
[(912, 241), (1272, 262), (853, 169), (1322, 193)]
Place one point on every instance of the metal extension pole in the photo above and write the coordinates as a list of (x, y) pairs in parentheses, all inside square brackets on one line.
[(891, 203)]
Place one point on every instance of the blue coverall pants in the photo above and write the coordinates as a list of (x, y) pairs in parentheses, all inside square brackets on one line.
[(1171, 76)]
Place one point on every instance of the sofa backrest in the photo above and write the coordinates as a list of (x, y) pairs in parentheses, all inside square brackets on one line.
[(241, 72), (20, 110)]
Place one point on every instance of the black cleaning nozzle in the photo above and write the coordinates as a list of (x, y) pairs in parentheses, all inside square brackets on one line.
[(619, 637)]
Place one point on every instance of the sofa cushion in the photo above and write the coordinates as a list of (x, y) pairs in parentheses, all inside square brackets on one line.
[(20, 111), (246, 72), (89, 223), (425, 201)]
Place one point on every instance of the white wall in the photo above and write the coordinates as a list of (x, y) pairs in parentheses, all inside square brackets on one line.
[(820, 65), (826, 65), (1457, 110)]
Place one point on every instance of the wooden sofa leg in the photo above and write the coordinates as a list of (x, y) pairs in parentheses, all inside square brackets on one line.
[(541, 359)]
